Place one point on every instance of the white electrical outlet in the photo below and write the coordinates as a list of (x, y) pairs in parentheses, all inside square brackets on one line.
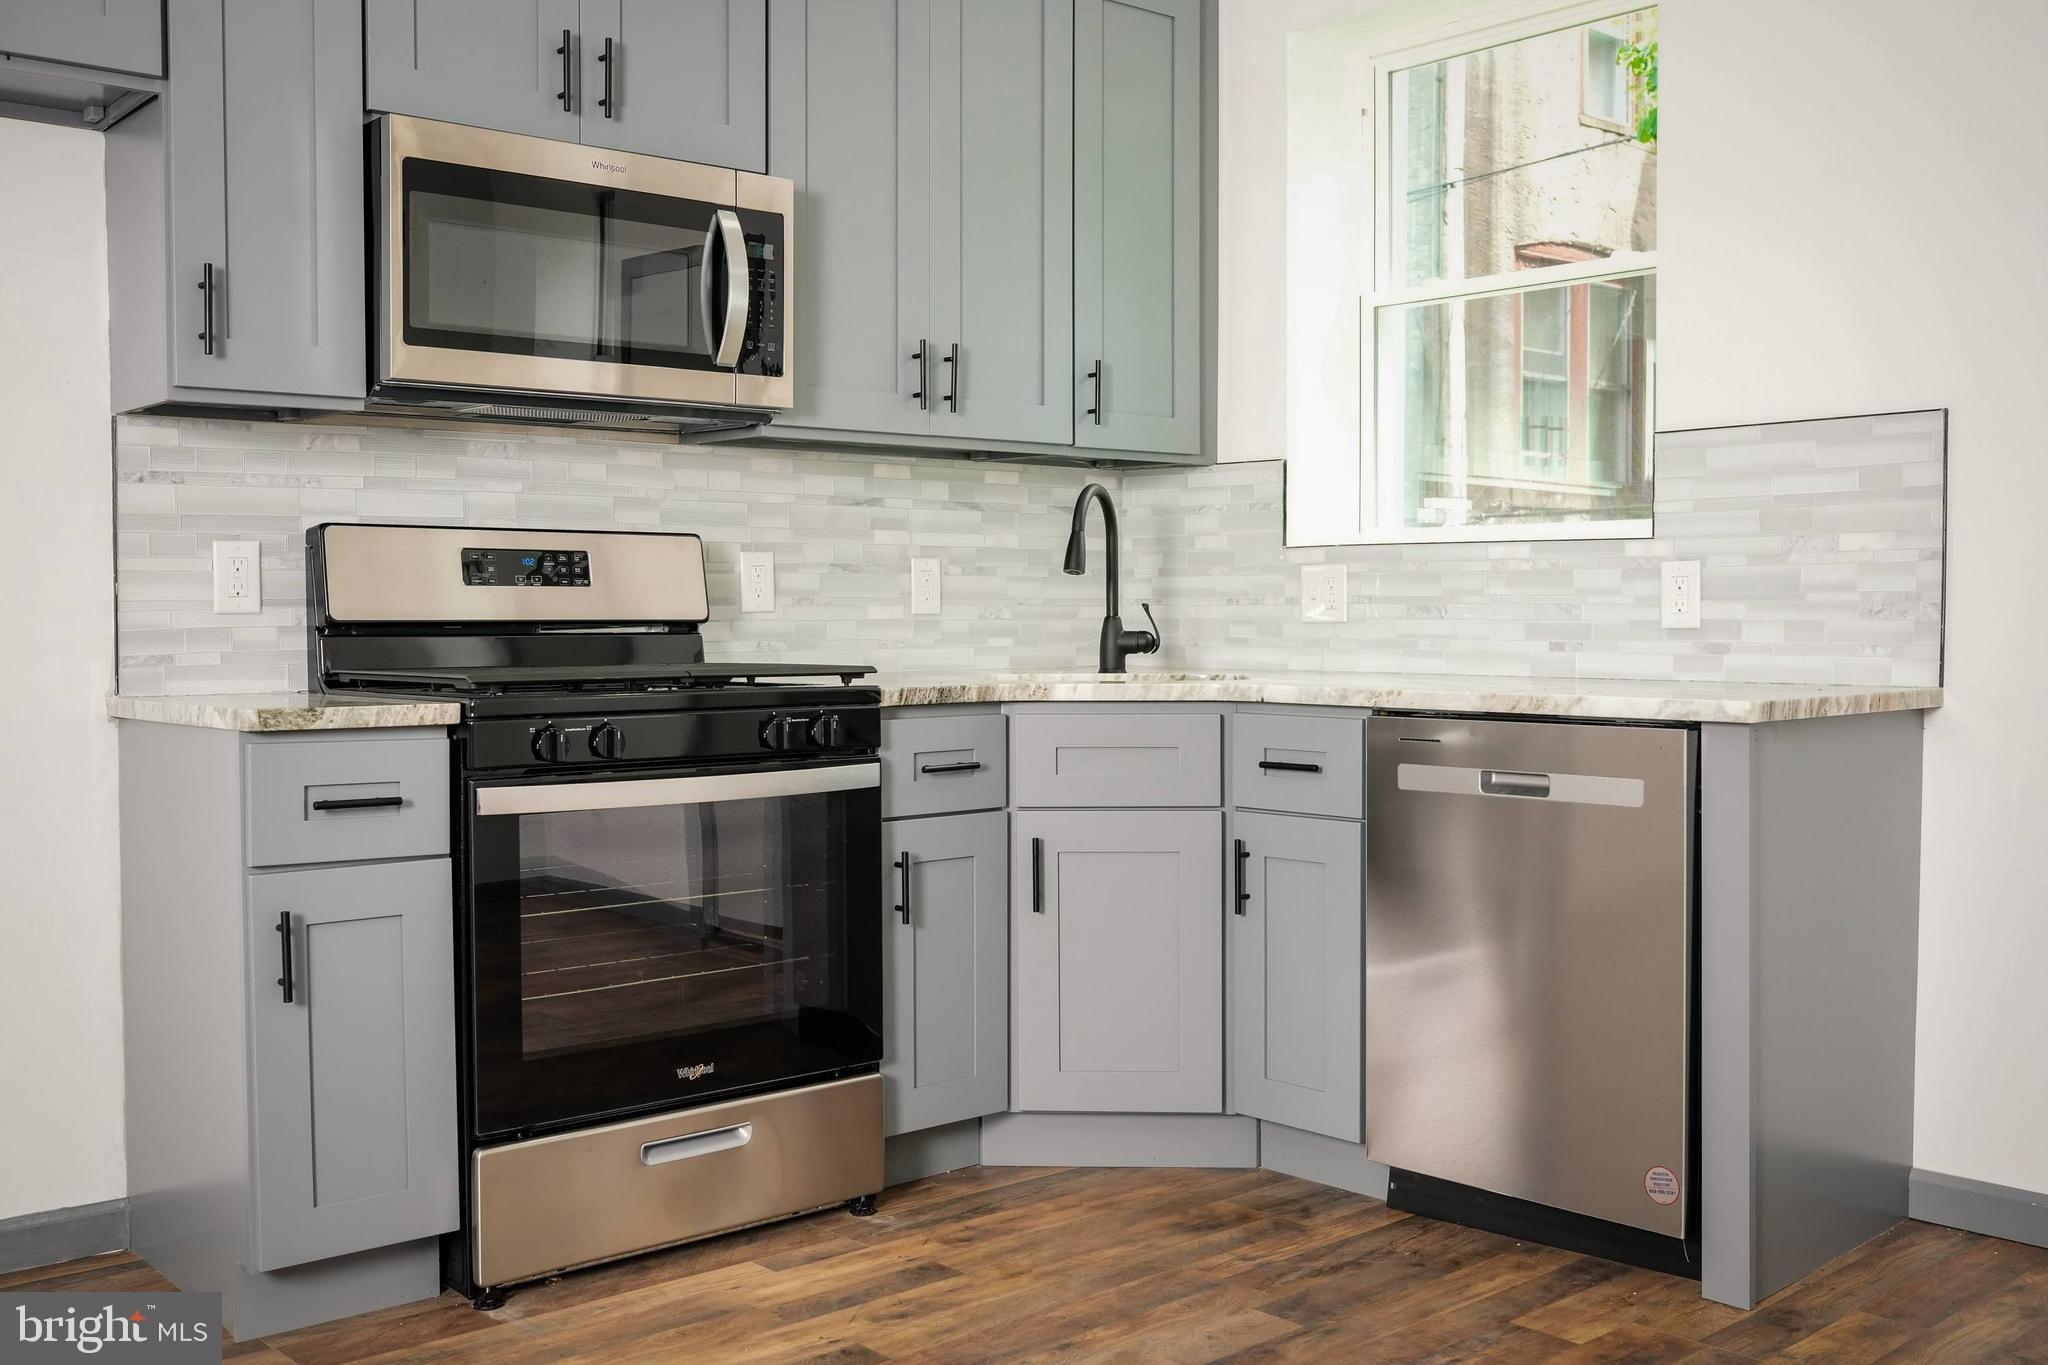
[(1681, 594), (924, 587), (237, 577), (757, 580), (1325, 592)]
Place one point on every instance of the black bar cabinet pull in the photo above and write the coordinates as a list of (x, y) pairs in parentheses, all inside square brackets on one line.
[(284, 934), (359, 803), (604, 59), (1244, 856), (968, 767), (1095, 377), (567, 93), (206, 305), (1038, 876), (922, 355), (952, 359), (1276, 765), (903, 869)]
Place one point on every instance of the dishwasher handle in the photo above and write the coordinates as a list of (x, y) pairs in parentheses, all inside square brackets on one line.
[(1498, 782)]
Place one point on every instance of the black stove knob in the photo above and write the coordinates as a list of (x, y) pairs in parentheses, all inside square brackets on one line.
[(547, 744), (774, 733), (606, 741), (824, 731)]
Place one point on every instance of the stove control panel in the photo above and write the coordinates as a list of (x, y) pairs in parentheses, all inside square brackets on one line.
[(637, 739), (491, 568), (796, 733)]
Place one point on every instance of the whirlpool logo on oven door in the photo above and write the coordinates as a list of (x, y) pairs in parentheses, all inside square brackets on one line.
[(697, 1072)]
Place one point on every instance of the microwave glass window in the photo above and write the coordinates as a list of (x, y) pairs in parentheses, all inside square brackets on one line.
[(524, 265)]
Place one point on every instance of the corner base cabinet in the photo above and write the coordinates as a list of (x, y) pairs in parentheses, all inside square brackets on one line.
[(1118, 960)]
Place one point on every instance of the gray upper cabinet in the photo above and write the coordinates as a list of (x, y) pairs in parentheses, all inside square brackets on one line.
[(849, 121), (1002, 149), (352, 1078), (1137, 232), (1117, 972), (945, 1006), (681, 78), (111, 35), (1296, 954), (235, 212), (490, 63)]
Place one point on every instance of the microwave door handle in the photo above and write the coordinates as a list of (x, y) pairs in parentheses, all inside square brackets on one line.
[(733, 243)]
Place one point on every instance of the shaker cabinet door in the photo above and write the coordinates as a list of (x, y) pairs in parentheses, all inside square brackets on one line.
[(352, 1078), (686, 79), (1117, 960), (1002, 227), (488, 63), (850, 122), (112, 35), (1137, 234), (1296, 958), (264, 170), (945, 1006)]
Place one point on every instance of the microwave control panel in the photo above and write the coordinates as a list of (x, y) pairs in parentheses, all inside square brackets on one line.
[(761, 348), (494, 568)]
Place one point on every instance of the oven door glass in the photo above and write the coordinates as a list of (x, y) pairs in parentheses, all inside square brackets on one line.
[(525, 265), (652, 941)]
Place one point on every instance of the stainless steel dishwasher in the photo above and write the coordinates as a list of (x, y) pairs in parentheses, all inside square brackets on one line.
[(1528, 977)]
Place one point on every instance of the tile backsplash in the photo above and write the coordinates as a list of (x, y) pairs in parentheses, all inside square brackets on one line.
[(1820, 545)]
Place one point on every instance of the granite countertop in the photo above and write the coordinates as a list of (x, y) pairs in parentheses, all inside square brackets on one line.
[(1599, 699), (1736, 703), (265, 711)]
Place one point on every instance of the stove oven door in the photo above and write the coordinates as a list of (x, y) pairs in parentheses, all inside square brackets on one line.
[(656, 940)]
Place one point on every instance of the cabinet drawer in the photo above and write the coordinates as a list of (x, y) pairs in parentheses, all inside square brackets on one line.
[(1116, 758), (345, 800), (1306, 765), (604, 1192), (935, 765)]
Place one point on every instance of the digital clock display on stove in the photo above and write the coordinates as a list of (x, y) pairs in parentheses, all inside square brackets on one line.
[(492, 568)]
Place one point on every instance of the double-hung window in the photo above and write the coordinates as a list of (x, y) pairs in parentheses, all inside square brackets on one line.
[(1510, 320)]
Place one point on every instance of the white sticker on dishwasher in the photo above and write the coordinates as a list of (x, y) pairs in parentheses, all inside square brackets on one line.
[(1661, 1185)]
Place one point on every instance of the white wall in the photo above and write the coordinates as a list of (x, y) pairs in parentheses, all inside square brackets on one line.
[(60, 942), (1852, 221)]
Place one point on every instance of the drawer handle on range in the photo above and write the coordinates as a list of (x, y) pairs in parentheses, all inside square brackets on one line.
[(360, 803), (1497, 783), (284, 934), (1244, 856), (1038, 876), (931, 769), (695, 1144), (1278, 765), (903, 866)]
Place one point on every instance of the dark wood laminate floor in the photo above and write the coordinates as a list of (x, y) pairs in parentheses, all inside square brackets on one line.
[(1174, 1265)]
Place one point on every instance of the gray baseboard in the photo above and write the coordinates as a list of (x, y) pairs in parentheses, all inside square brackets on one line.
[(38, 1239), (1119, 1140), (934, 1151), (1978, 1206), (1325, 1160)]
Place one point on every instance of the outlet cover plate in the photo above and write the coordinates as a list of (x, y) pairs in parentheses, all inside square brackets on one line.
[(757, 580), (924, 587), (1325, 592), (237, 577), (1681, 596)]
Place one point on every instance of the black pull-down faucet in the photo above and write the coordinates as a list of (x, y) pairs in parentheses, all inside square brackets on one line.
[(1117, 643)]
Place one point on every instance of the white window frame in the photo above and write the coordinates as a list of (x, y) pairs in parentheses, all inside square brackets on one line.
[(1377, 483)]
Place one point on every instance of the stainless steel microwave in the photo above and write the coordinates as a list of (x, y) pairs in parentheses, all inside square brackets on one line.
[(525, 277)]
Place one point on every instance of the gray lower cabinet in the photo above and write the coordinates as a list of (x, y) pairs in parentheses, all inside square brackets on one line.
[(352, 1058), (111, 35), (675, 78), (1137, 229), (1117, 961), (1296, 961), (235, 213), (945, 1006)]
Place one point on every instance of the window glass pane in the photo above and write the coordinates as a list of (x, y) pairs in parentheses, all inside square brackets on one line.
[(1527, 408), (1490, 153)]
